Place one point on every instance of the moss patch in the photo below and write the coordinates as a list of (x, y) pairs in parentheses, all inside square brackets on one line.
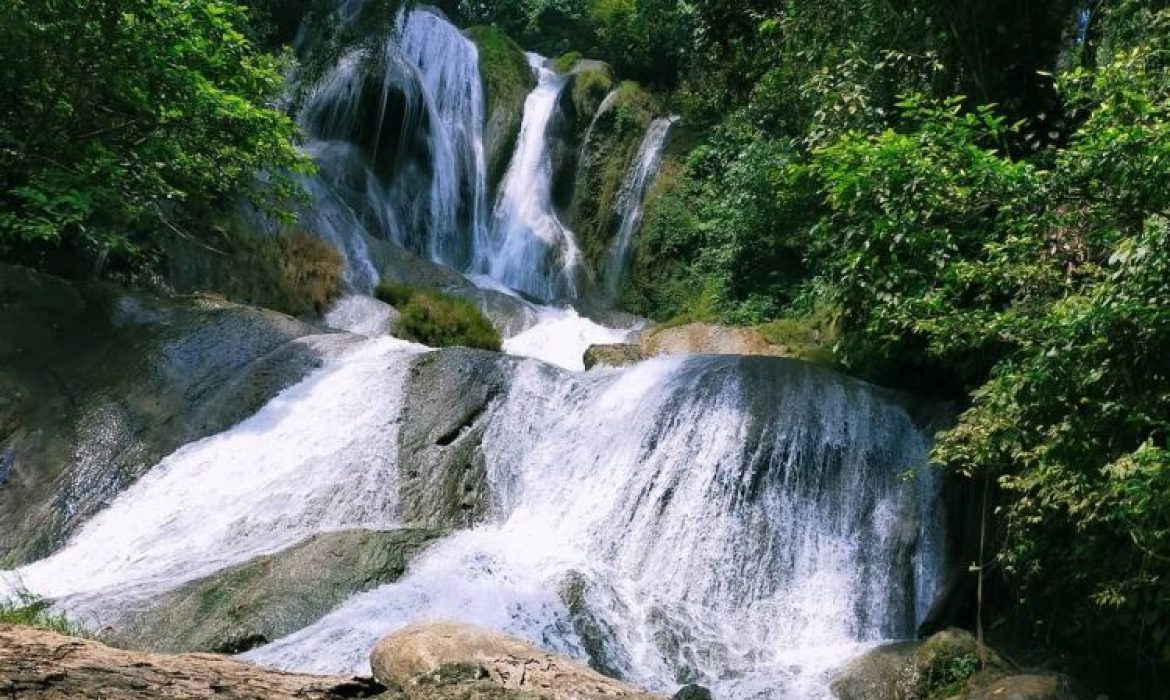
[(507, 80), (607, 156), (565, 62), (439, 320), (811, 336)]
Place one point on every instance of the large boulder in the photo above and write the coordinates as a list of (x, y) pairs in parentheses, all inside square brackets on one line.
[(414, 655), (619, 355), (913, 670), (98, 384), (447, 402), (41, 665), (252, 604), (708, 339), (1032, 686)]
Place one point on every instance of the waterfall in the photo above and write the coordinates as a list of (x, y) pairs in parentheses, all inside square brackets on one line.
[(631, 198), (313, 460), (532, 251), (397, 137), (742, 523)]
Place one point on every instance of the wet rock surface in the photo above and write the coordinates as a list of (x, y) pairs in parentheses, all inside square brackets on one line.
[(97, 384), (448, 397), (252, 604)]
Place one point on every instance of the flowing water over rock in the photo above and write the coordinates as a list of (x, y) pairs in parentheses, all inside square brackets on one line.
[(740, 522), (630, 200), (533, 252), (397, 138)]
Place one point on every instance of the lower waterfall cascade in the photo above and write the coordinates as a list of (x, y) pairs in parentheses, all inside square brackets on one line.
[(748, 524)]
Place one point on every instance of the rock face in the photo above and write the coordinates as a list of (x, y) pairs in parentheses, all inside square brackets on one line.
[(248, 605), (609, 146), (1024, 687), (448, 394), (621, 355), (41, 665), (412, 655), (97, 384), (705, 339)]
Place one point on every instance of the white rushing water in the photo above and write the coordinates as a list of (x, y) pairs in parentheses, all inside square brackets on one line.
[(631, 197), (532, 251), (745, 524), (561, 337), (314, 459), (397, 135)]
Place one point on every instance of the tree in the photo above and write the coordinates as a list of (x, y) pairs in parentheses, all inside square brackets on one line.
[(121, 113)]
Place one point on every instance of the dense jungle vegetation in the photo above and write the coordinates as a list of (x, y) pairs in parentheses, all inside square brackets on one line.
[(970, 199)]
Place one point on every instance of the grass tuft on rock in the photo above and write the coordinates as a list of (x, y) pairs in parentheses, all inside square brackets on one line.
[(29, 610), (439, 320)]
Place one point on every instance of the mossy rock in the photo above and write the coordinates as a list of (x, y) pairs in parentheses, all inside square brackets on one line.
[(507, 80), (609, 149), (934, 669)]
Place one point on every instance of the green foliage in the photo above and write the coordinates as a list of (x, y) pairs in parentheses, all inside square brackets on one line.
[(439, 320), (118, 114), (28, 610), (565, 62), (949, 679), (812, 336)]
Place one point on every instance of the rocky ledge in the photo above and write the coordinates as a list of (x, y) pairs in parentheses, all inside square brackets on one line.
[(429, 661), (41, 665)]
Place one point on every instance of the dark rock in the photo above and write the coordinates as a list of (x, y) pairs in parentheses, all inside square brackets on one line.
[(247, 606), (447, 399), (997, 686), (693, 692), (98, 384)]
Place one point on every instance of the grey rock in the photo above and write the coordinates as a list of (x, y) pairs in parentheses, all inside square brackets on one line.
[(447, 400), (98, 384), (249, 605)]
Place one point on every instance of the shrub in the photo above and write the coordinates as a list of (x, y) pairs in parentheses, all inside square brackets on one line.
[(439, 320)]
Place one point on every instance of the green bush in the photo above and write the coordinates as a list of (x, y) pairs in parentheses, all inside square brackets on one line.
[(439, 320)]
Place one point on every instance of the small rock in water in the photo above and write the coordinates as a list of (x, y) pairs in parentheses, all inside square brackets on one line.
[(693, 692)]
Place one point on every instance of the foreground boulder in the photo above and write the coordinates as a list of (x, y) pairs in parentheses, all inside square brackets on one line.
[(41, 665), (911, 670), (947, 666), (436, 652)]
